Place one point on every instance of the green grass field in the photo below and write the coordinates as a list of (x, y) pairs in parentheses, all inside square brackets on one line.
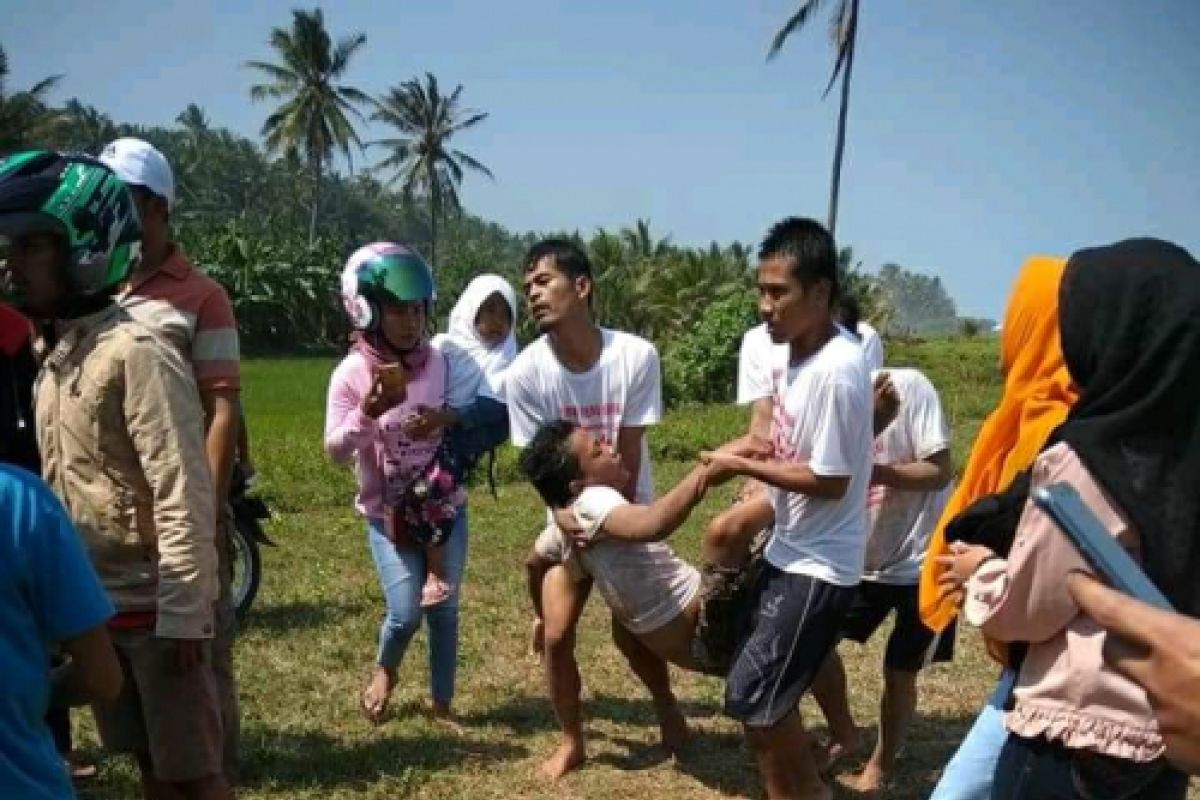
[(311, 637)]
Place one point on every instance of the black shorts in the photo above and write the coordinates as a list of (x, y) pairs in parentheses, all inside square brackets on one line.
[(795, 626), (911, 645)]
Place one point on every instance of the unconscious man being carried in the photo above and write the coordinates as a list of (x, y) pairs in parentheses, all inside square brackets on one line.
[(660, 598)]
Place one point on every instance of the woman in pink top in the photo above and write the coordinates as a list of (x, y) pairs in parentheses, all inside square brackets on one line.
[(1130, 322), (389, 403)]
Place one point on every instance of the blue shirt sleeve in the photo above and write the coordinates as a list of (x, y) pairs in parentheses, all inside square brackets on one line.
[(65, 593)]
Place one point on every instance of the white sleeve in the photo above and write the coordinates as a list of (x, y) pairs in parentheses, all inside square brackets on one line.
[(754, 374), (644, 404), (840, 411), (927, 428), (593, 506), (464, 378), (872, 347), (525, 411)]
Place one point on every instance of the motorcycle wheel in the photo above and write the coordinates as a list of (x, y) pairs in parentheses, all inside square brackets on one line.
[(247, 568)]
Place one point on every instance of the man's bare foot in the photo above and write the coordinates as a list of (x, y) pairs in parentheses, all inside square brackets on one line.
[(672, 725), (829, 754), (375, 696), (445, 716), (868, 783), (79, 768), (569, 755)]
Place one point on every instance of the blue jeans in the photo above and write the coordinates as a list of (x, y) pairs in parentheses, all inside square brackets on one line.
[(968, 776), (1037, 769), (401, 575)]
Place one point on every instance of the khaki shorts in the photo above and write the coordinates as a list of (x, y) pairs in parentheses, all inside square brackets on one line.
[(174, 717)]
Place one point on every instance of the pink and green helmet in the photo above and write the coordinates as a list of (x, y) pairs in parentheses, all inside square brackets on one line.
[(379, 272)]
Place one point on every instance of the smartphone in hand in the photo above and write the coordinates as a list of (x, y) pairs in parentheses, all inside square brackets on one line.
[(1098, 547)]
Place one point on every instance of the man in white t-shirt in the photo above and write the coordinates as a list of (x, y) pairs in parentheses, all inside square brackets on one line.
[(818, 479), (758, 353), (608, 382), (910, 484)]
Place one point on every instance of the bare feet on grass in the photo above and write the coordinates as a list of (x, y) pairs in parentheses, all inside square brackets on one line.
[(569, 756), (377, 694), (445, 716), (672, 725), (829, 754), (868, 783)]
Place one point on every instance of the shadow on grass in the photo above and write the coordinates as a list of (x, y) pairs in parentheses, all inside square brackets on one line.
[(285, 618), (309, 759), (929, 745), (532, 714), (720, 759)]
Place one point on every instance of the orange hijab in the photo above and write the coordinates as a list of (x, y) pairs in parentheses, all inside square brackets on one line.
[(1037, 396)]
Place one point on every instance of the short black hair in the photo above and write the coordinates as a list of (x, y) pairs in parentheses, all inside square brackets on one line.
[(549, 464), (569, 258), (809, 246), (849, 313)]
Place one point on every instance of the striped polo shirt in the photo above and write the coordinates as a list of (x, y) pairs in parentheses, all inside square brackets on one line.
[(193, 312)]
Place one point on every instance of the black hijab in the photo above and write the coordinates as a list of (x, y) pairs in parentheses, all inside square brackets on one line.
[(1130, 319)]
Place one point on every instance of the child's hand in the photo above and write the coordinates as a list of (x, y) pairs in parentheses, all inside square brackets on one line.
[(423, 424), (958, 567)]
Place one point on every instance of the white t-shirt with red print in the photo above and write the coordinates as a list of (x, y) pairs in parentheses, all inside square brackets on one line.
[(822, 416), (902, 522), (623, 389)]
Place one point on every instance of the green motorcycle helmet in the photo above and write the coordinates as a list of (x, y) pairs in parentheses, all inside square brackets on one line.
[(84, 202)]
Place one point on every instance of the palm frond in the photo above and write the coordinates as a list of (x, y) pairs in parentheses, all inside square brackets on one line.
[(475, 118), (472, 163), (795, 23), (346, 47)]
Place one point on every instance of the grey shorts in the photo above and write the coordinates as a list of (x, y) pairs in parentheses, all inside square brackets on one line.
[(796, 624), (174, 717)]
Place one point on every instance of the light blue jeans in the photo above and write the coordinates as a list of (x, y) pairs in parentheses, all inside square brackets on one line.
[(969, 774), (401, 575)]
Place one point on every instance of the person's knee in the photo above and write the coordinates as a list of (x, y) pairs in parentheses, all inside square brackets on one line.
[(403, 622), (723, 529), (559, 640)]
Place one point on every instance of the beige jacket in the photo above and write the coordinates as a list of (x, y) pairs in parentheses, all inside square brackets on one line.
[(121, 432)]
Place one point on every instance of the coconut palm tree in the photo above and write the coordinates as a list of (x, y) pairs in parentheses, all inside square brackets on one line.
[(82, 128), (844, 28), (314, 119), (24, 116), (421, 158)]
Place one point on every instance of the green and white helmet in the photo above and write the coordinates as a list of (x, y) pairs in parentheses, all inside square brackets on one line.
[(80, 199)]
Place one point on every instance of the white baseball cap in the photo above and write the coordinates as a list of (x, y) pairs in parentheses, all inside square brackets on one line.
[(139, 163)]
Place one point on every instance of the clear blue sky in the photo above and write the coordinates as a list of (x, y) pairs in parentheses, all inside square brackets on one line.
[(980, 132)]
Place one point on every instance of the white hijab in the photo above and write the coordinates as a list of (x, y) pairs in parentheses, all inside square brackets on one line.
[(492, 361)]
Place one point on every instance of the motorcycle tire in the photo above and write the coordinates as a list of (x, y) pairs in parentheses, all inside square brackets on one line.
[(247, 567)]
